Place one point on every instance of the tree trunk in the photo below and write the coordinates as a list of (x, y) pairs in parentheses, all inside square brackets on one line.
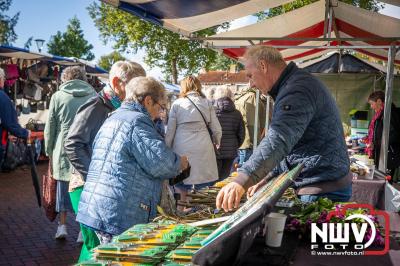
[(174, 71)]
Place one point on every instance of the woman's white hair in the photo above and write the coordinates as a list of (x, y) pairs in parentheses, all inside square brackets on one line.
[(126, 70), (209, 93), (223, 91), (2, 74), (73, 72), (138, 88)]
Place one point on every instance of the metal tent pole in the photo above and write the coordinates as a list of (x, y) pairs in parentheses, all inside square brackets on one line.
[(267, 114), (388, 104), (255, 140)]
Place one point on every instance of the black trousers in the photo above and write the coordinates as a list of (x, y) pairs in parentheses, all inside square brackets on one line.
[(224, 167)]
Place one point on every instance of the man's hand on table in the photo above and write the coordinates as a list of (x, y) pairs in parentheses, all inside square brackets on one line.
[(255, 188), (229, 196)]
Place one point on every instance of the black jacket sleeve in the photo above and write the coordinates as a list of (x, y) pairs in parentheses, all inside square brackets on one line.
[(241, 132), (8, 117), (78, 144)]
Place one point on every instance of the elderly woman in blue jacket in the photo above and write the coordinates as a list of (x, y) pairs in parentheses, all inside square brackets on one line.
[(129, 162)]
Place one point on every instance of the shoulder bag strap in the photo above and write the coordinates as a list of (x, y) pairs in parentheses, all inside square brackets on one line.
[(205, 122)]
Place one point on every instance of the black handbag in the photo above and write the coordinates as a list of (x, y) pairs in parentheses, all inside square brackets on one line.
[(208, 127), (179, 178)]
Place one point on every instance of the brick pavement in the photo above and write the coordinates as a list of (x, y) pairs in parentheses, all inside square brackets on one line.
[(26, 236)]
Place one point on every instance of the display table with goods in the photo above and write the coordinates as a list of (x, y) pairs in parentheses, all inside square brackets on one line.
[(235, 239)]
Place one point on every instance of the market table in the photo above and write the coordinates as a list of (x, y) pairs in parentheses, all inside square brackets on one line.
[(370, 191)]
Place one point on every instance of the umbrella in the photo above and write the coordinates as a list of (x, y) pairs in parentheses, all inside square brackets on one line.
[(35, 178)]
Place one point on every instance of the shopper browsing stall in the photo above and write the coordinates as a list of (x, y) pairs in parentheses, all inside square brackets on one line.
[(374, 138), (233, 130), (129, 162), (86, 124), (189, 119), (74, 92), (305, 128), (8, 119)]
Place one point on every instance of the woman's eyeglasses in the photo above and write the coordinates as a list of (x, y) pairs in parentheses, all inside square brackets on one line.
[(162, 107)]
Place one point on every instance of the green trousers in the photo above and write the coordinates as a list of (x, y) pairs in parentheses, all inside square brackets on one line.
[(90, 239)]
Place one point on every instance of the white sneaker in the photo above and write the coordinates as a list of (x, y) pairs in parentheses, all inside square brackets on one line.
[(80, 238), (61, 232)]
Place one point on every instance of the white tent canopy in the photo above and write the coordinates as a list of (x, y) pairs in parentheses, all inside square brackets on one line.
[(187, 17), (351, 26)]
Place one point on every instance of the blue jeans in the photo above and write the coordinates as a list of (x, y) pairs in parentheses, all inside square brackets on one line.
[(244, 155), (341, 195), (196, 187)]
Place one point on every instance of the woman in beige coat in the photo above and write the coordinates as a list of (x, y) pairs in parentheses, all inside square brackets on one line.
[(187, 135)]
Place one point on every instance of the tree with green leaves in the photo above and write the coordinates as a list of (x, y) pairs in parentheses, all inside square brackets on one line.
[(7, 24), (106, 61), (272, 12), (223, 63), (165, 49), (71, 43)]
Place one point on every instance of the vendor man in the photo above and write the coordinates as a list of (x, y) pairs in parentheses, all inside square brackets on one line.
[(305, 128)]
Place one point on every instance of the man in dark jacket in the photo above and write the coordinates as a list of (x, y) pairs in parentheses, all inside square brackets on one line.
[(89, 118), (305, 128), (233, 131), (94, 112), (8, 119)]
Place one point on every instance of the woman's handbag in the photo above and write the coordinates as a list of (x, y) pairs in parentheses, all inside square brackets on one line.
[(179, 178), (49, 194), (208, 128)]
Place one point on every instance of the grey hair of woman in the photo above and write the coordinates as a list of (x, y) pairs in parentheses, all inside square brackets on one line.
[(222, 92), (2, 74), (73, 72), (138, 88), (209, 93)]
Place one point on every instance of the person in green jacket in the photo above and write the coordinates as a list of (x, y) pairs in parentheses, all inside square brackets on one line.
[(63, 106)]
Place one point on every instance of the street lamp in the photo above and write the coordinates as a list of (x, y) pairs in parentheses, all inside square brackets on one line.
[(39, 44)]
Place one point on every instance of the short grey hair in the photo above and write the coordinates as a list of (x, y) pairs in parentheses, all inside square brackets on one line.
[(73, 72), (126, 70), (138, 88), (2, 74), (209, 93), (268, 54), (222, 92)]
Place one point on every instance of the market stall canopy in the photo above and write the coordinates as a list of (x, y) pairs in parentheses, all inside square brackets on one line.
[(350, 26), (340, 23), (187, 17), (336, 63), (19, 53)]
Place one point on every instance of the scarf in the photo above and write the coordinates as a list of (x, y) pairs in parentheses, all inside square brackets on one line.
[(110, 95), (370, 137)]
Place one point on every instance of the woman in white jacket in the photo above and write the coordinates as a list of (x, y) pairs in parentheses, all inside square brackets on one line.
[(187, 134)]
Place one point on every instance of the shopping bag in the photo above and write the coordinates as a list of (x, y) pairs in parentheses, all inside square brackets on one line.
[(49, 194)]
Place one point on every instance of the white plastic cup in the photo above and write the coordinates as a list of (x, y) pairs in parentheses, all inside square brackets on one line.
[(370, 174), (274, 227)]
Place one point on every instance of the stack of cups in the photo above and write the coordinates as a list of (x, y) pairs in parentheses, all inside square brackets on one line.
[(274, 227)]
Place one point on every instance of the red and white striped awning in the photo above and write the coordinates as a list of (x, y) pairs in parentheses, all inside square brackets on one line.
[(348, 22), (308, 22)]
